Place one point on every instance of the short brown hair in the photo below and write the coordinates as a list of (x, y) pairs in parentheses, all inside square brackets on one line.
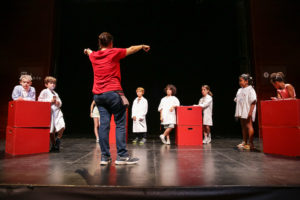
[(49, 79), (105, 39), (140, 89), (172, 88)]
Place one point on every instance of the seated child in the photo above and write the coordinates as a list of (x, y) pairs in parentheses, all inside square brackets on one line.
[(139, 111), (284, 90), (57, 120), (24, 91)]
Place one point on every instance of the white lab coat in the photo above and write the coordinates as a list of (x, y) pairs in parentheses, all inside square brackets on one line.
[(244, 98), (207, 104), (165, 104), (57, 120), (139, 110)]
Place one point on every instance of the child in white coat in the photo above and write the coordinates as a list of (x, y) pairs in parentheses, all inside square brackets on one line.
[(206, 102), (57, 120), (246, 110), (167, 112), (138, 115)]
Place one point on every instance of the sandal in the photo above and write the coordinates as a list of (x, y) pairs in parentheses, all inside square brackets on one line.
[(247, 147), (241, 145)]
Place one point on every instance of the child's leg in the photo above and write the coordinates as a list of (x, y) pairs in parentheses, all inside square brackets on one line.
[(205, 131), (60, 133), (167, 132), (250, 131), (96, 127), (52, 138), (244, 130)]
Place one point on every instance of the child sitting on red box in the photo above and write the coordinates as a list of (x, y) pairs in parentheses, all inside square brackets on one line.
[(246, 110), (206, 102), (24, 91), (57, 120), (167, 112), (284, 90)]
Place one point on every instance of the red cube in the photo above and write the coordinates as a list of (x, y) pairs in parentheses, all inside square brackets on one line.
[(189, 115), (280, 113), (29, 114), (188, 135), (20, 141), (281, 140)]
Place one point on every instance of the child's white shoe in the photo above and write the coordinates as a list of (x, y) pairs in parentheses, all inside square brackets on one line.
[(205, 140), (168, 142), (162, 137), (208, 139)]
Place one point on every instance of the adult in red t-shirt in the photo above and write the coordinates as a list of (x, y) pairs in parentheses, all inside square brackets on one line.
[(107, 89)]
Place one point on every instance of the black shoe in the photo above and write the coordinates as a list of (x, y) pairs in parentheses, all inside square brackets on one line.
[(53, 149), (57, 145)]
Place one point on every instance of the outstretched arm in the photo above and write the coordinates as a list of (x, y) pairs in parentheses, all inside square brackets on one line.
[(87, 51), (136, 48)]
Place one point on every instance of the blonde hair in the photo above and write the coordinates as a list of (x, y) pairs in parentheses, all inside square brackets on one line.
[(208, 89), (140, 89), (26, 77), (49, 79)]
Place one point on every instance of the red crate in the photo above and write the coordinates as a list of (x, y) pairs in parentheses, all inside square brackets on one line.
[(280, 113), (188, 135), (21, 141), (29, 114), (189, 115), (281, 140), (112, 131)]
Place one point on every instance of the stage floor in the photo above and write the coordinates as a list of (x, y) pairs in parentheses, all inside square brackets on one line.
[(216, 164)]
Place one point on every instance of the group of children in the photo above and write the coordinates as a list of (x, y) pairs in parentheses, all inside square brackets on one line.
[(25, 92), (245, 99)]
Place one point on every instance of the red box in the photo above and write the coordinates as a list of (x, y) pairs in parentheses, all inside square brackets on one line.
[(21, 141), (281, 140), (188, 135), (280, 113), (112, 131), (29, 114), (189, 115)]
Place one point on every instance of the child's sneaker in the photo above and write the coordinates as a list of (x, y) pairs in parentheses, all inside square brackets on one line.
[(143, 141), (208, 139), (105, 160), (126, 161), (205, 140), (135, 141), (162, 137), (168, 142)]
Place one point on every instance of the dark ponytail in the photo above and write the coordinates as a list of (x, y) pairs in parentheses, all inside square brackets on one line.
[(248, 78), (277, 76)]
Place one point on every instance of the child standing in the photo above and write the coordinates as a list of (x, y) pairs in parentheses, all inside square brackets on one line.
[(206, 102), (57, 120), (24, 91), (284, 90), (246, 109), (138, 115), (96, 117), (167, 112)]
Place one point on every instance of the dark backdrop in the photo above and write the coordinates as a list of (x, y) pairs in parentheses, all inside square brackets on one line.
[(193, 42)]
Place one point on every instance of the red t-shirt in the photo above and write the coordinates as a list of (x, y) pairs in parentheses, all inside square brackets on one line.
[(106, 66)]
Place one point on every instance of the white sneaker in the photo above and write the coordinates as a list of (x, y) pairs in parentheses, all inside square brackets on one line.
[(162, 137), (168, 142), (205, 140), (208, 139)]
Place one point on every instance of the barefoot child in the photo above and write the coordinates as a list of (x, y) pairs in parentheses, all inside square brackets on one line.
[(24, 91), (138, 115), (246, 109), (57, 120), (167, 112), (206, 102), (96, 117)]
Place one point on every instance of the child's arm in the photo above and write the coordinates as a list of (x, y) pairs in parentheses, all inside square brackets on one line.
[(252, 106), (161, 118), (16, 94), (144, 111), (92, 107), (206, 103), (291, 91), (31, 94), (136, 48)]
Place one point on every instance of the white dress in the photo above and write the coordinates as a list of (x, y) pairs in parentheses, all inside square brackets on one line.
[(139, 110), (57, 119), (165, 104), (207, 104), (244, 98)]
